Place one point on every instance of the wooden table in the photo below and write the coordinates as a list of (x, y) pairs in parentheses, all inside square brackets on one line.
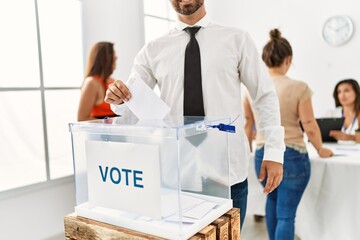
[(78, 228)]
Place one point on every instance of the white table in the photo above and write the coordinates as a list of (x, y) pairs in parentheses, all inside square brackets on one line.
[(256, 197), (330, 206)]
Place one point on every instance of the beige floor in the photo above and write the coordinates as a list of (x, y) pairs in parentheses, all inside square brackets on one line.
[(255, 230)]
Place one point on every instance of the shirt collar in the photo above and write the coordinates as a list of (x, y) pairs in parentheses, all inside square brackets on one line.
[(204, 22)]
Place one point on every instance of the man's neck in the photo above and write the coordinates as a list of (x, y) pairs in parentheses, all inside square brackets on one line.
[(193, 18)]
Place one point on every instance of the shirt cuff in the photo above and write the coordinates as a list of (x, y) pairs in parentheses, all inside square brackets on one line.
[(274, 155)]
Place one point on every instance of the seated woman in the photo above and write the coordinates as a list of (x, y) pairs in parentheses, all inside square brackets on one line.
[(100, 65), (347, 101)]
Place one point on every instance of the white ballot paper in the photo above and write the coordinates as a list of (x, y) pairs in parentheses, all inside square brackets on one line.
[(199, 211), (344, 148), (144, 103)]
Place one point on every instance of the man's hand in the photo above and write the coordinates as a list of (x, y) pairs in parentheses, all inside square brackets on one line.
[(117, 93), (274, 173)]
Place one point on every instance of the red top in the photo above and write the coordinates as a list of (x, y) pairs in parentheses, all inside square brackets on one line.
[(103, 109)]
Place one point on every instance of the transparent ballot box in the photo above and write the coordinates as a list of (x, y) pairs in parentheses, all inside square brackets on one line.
[(165, 178)]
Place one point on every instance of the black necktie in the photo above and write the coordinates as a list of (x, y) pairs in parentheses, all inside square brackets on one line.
[(193, 97)]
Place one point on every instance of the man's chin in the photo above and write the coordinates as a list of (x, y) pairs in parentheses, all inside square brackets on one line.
[(187, 10)]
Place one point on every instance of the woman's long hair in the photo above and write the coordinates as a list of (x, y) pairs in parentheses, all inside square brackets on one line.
[(355, 85), (100, 60)]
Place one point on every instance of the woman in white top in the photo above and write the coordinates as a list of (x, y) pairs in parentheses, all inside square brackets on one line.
[(347, 101)]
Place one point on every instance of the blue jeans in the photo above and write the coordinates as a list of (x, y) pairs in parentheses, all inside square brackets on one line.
[(281, 204), (239, 194)]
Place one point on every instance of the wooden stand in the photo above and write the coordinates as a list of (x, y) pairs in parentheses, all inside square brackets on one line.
[(222, 227), (79, 228), (234, 223)]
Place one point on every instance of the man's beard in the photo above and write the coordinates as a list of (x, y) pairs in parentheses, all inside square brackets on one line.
[(187, 9)]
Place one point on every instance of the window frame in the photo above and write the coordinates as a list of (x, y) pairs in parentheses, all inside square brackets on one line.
[(48, 182)]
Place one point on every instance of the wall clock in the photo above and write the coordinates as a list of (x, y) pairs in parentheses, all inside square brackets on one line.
[(338, 30)]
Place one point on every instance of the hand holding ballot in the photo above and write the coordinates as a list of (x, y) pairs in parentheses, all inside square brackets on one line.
[(144, 103), (117, 93)]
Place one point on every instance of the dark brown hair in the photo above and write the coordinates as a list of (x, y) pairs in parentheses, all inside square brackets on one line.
[(355, 85), (276, 50), (100, 60)]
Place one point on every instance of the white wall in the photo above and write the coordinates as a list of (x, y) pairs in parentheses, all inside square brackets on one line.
[(37, 213), (314, 62), (117, 21)]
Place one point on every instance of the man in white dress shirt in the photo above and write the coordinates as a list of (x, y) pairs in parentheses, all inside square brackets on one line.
[(228, 58)]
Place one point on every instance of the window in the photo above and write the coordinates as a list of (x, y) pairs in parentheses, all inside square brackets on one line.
[(19, 58), (21, 139), (159, 17), (41, 61), (61, 48)]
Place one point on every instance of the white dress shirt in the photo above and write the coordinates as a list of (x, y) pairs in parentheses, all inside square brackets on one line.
[(228, 58)]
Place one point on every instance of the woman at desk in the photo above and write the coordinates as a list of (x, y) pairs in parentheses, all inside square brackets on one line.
[(295, 104), (347, 101), (100, 65)]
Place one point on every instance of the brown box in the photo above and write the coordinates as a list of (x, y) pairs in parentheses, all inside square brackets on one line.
[(222, 227), (226, 227), (234, 223)]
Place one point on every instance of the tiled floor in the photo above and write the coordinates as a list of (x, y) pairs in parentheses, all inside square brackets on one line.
[(255, 230)]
